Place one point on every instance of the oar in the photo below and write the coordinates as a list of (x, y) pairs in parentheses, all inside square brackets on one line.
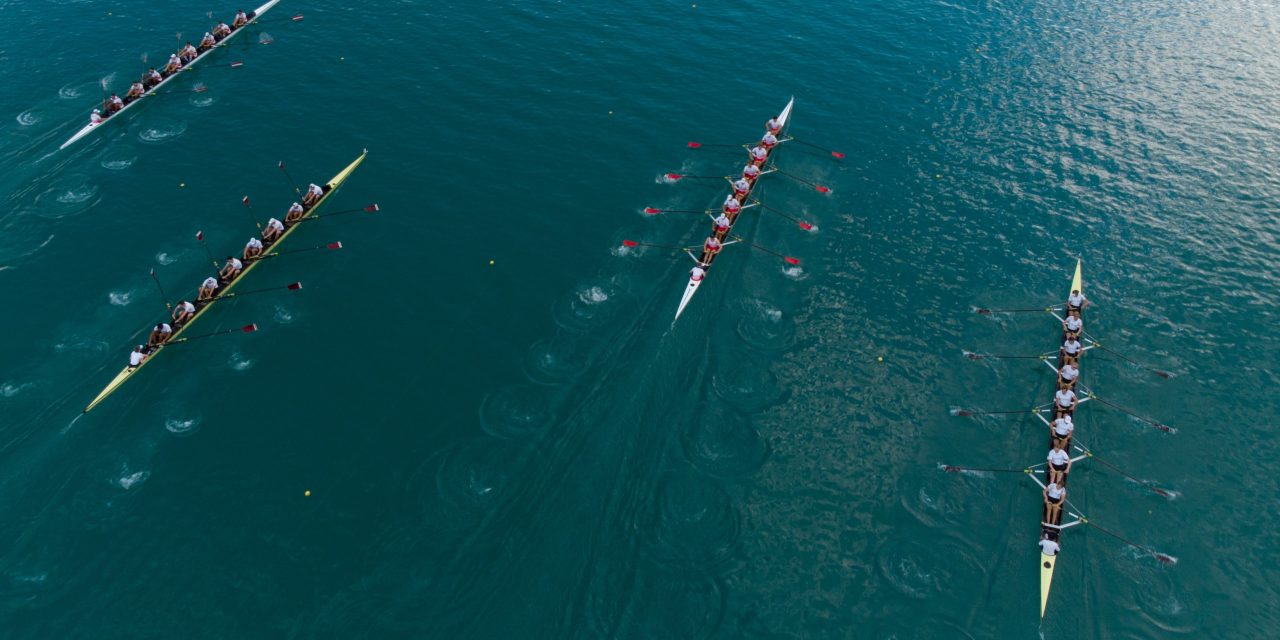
[(803, 225), (1154, 424), (292, 286), (989, 356), (950, 468), (231, 65), (699, 145), (252, 217), (371, 208), (248, 328), (680, 176), (201, 89), (1143, 483), (1161, 557), (1163, 374), (297, 17), (787, 258), (987, 312), (200, 237), (965, 413), (291, 182), (818, 187), (332, 246), (163, 295), (633, 243), (652, 211), (834, 154)]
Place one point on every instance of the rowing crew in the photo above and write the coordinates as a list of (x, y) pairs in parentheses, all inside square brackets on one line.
[(1062, 427), (175, 63)]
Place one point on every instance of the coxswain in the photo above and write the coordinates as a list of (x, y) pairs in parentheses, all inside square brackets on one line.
[(221, 30), (722, 224), (758, 155), (314, 192), (294, 214), (1053, 497), (160, 334), (750, 172), (273, 230), (698, 272), (1067, 376), (95, 117), (773, 126), (1059, 463), (188, 53), (139, 354), (135, 91), (731, 205), (240, 20), (151, 78), (207, 41), (1064, 402), (172, 66), (1061, 429), (769, 141), (230, 269), (711, 246), (741, 187), (208, 289), (252, 249), (182, 312), (1072, 325), (1076, 301), (1071, 349), (1049, 546)]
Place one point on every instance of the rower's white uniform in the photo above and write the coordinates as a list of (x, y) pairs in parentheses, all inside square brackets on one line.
[(773, 124), (137, 356), (768, 140), (731, 204), (210, 283), (1049, 547), (1069, 372), (315, 190), (154, 75), (697, 273), (175, 60), (235, 263), (116, 101), (95, 117), (1055, 492), (275, 224), (1064, 398), (711, 244), (741, 185), (722, 222), (253, 243), (1062, 427), (1058, 457), (1074, 324), (187, 307), (751, 172), (165, 328), (1071, 347), (759, 154), (1076, 300), (208, 40)]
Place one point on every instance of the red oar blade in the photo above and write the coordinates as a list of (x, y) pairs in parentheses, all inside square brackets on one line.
[(200, 236), (295, 286), (806, 226), (249, 328), (837, 154), (371, 208), (695, 145), (630, 243), (334, 245), (297, 18), (822, 189), (674, 176), (651, 211), (236, 64), (792, 261)]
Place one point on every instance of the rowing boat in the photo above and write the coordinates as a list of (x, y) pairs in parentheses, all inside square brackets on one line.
[(128, 372), (252, 18), (692, 287)]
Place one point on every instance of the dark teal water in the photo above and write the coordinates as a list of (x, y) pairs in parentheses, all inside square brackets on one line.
[(529, 448)]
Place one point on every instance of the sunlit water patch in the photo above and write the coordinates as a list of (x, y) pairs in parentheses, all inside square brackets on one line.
[(71, 194), (29, 117), (516, 411), (181, 426), (161, 130)]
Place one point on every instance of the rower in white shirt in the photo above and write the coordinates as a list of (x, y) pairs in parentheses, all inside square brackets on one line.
[(182, 312), (252, 249), (230, 269), (722, 224), (314, 192), (731, 205), (294, 214), (208, 289), (1071, 349), (1067, 376), (160, 334), (1064, 402), (1072, 325), (1076, 301), (697, 273), (750, 172), (741, 187), (758, 155), (95, 117), (773, 126), (137, 356), (1054, 495), (1059, 463), (769, 141), (273, 231), (1049, 547), (1061, 429)]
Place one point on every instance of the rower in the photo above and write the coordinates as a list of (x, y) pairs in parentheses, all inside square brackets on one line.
[(722, 224), (1059, 464), (240, 20), (1049, 546), (294, 214), (750, 172), (188, 53), (183, 312), (741, 187), (95, 117), (758, 155), (207, 41), (230, 269), (221, 30), (1067, 376), (151, 78), (1071, 350), (208, 289), (116, 103), (172, 66), (773, 126), (1061, 429), (274, 230), (160, 334), (135, 91), (711, 246), (1064, 402), (1076, 301), (314, 192), (698, 272), (139, 354), (1053, 497), (252, 249), (769, 141), (1072, 325), (731, 205)]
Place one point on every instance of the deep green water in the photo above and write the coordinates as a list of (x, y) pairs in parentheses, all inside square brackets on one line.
[(530, 449)]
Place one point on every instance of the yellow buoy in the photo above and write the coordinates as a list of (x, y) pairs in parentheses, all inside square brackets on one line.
[(879, 358), (307, 493), (491, 262)]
